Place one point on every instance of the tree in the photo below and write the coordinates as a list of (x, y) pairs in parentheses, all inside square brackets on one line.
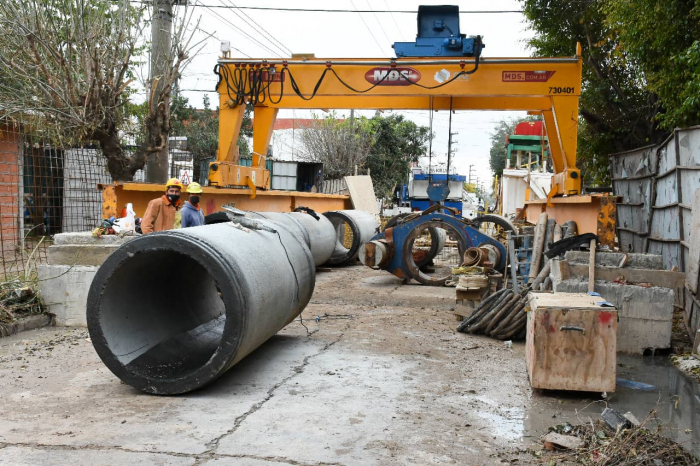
[(386, 146), (663, 41), (67, 66), (397, 143), (340, 145), (618, 111), (499, 152), (201, 128)]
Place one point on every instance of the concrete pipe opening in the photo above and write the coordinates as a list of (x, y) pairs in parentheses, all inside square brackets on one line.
[(171, 312), (352, 228)]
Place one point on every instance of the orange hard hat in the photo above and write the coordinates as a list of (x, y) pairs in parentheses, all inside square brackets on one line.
[(173, 182)]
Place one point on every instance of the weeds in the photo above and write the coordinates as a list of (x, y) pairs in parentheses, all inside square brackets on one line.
[(641, 445), (19, 298)]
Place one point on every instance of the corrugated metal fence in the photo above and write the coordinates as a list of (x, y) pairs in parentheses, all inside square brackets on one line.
[(657, 184)]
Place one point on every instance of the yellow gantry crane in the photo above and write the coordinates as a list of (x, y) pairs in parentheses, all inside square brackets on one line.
[(442, 69), (546, 86)]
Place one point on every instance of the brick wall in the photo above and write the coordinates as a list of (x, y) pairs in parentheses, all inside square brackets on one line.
[(10, 189)]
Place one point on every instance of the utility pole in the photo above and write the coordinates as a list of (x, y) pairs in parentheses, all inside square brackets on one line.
[(157, 169), (471, 169)]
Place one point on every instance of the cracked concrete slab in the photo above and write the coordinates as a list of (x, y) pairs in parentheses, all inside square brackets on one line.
[(26, 456), (64, 405), (377, 375)]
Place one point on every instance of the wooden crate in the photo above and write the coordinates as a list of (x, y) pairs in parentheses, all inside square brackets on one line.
[(571, 342)]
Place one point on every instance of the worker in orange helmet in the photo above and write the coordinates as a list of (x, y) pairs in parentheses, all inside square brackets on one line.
[(163, 213)]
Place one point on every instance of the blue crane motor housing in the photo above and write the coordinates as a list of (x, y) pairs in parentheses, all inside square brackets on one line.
[(439, 36)]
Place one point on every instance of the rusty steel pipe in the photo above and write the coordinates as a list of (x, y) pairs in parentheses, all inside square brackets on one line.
[(172, 311), (473, 256)]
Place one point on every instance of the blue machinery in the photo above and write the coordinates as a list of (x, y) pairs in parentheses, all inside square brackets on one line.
[(439, 36), (392, 249), (418, 196)]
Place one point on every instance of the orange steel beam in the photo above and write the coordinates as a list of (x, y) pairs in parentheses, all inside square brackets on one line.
[(550, 86), (116, 196)]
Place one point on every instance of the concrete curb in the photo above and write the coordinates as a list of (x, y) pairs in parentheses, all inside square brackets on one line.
[(26, 323)]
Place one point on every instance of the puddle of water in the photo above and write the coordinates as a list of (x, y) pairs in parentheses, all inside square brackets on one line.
[(675, 397)]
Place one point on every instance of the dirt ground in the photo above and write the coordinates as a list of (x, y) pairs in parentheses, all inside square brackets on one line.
[(381, 377)]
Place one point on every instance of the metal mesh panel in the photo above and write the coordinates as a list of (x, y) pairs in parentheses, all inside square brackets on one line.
[(45, 190)]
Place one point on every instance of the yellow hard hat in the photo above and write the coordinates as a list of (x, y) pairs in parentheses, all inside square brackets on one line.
[(194, 188), (173, 182)]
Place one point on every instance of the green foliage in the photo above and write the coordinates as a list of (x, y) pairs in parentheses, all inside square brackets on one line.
[(641, 70), (201, 128), (617, 111), (397, 143), (662, 40), (499, 151)]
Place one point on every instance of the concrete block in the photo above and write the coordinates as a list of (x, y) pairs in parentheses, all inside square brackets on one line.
[(64, 290), (559, 271), (24, 324), (87, 238), (613, 259), (646, 314), (79, 254)]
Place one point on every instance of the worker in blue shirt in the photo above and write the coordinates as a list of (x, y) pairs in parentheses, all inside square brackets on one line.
[(192, 215)]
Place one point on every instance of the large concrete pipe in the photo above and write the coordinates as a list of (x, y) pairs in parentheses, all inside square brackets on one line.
[(353, 228), (322, 237), (170, 312), (318, 233), (285, 219)]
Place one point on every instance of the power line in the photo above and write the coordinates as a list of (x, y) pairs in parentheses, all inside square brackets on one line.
[(394, 19), (378, 22), (284, 48), (322, 10), (367, 26), (224, 20), (249, 25), (241, 31)]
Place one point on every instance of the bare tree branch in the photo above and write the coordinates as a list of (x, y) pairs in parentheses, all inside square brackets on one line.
[(339, 145)]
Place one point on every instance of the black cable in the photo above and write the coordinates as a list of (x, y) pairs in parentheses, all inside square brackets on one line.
[(321, 10), (245, 83)]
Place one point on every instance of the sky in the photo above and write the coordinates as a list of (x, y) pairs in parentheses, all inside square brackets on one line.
[(355, 35)]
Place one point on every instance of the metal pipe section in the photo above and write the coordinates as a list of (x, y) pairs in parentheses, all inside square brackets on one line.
[(353, 228), (172, 311), (374, 254)]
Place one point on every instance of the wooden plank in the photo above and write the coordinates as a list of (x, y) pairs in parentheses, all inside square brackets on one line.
[(476, 294), (362, 193), (581, 301), (591, 267)]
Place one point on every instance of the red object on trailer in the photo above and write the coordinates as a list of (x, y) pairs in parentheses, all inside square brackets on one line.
[(530, 128)]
